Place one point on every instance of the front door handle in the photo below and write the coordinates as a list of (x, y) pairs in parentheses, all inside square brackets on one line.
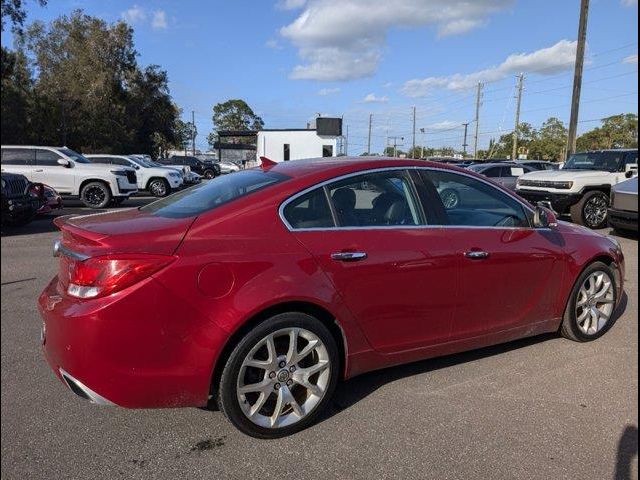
[(476, 254), (39, 171), (348, 256)]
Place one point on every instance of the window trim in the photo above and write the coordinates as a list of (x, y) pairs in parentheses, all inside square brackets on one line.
[(527, 208)]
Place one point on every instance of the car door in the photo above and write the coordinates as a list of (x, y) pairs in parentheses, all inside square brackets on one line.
[(396, 275), (19, 160), (48, 171), (509, 271)]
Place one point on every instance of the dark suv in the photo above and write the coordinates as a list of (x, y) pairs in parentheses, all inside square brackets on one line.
[(204, 168), (19, 206)]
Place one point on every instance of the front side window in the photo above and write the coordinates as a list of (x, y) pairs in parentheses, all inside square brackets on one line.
[(310, 210), (120, 161), (467, 201), (207, 196), (493, 172), (375, 200), (18, 156), (47, 158)]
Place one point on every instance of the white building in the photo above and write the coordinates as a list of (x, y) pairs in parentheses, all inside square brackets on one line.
[(296, 144)]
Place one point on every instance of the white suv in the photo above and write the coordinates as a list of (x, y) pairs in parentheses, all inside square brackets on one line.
[(158, 181), (583, 185), (70, 173)]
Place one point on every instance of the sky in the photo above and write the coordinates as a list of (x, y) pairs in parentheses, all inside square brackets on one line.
[(291, 60)]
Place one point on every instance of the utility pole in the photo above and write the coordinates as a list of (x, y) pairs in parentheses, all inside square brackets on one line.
[(369, 139), (423, 142), (395, 144), (477, 119), (413, 142), (346, 143), (514, 150), (577, 76), (464, 142), (193, 133)]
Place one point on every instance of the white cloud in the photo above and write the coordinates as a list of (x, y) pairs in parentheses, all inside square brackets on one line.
[(328, 91), (630, 3), (159, 21), (546, 61), (135, 14), (372, 98), (444, 125), (387, 85), (344, 39), (291, 4), (631, 59)]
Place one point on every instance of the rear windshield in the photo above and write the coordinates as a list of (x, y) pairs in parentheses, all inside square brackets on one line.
[(207, 196)]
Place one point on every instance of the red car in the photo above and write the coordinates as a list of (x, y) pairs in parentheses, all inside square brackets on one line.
[(50, 198), (261, 290)]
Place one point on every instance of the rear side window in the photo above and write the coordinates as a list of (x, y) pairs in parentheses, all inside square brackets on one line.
[(18, 156), (106, 160), (207, 196), (47, 158), (493, 172), (309, 211)]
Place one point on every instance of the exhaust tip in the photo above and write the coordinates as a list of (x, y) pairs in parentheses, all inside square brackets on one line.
[(82, 391)]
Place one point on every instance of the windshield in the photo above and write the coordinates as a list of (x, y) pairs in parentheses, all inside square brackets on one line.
[(75, 156), (140, 161), (476, 168), (607, 161), (207, 196)]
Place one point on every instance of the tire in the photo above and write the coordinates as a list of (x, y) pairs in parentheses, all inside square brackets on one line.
[(280, 381), (209, 174), (582, 213), (571, 326), (159, 187), (95, 195), (450, 198)]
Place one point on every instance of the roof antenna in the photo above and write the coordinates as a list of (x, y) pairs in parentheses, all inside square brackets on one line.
[(267, 163)]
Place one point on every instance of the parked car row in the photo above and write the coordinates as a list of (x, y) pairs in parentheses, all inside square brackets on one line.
[(22, 200)]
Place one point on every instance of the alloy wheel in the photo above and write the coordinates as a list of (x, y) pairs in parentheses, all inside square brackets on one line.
[(594, 303), (595, 211), (158, 188), (283, 378), (94, 195)]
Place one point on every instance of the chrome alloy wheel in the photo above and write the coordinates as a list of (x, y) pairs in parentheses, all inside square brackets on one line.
[(595, 303), (595, 211), (283, 377), (94, 195), (158, 188)]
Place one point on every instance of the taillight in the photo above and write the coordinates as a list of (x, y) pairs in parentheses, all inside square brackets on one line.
[(104, 275)]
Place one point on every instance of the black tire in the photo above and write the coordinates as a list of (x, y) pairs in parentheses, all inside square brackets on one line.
[(159, 187), (227, 398), (209, 174), (580, 212), (569, 327), (95, 195)]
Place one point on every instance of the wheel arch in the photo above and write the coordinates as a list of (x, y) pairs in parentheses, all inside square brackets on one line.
[(313, 309), (92, 180), (156, 177)]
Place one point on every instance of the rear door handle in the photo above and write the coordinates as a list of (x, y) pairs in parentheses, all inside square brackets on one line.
[(348, 256), (476, 255)]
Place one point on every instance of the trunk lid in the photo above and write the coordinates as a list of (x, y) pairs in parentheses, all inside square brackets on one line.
[(122, 231)]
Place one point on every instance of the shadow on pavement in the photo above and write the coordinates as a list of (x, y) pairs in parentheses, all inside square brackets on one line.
[(627, 450)]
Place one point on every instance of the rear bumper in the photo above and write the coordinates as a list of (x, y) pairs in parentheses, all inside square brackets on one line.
[(138, 348), (560, 202), (623, 219)]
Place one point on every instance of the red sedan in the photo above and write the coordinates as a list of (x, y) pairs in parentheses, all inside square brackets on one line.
[(261, 290)]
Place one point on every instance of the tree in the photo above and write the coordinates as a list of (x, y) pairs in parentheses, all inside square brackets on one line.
[(617, 131), (14, 11), (234, 114), (551, 141)]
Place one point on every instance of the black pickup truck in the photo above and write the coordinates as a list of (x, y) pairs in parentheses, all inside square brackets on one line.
[(19, 205)]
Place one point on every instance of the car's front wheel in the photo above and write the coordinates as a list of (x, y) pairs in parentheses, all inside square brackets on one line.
[(95, 195), (592, 303), (159, 187), (591, 210), (209, 174), (280, 376)]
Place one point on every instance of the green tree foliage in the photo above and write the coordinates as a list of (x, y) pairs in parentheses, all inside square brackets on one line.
[(617, 131), (89, 93), (13, 10), (234, 114)]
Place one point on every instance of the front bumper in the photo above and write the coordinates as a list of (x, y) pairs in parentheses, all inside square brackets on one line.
[(138, 348), (623, 219), (560, 202)]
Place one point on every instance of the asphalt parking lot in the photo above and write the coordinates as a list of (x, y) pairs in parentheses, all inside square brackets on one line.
[(538, 408)]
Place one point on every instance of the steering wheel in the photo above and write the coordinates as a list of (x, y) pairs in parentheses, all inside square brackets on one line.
[(507, 221)]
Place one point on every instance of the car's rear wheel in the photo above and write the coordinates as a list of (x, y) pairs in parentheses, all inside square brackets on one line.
[(209, 174), (280, 376), (95, 195), (591, 210), (592, 303)]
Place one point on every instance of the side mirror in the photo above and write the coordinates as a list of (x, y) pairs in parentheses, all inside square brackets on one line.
[(631, 170), (544, 217), (64, 162)]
